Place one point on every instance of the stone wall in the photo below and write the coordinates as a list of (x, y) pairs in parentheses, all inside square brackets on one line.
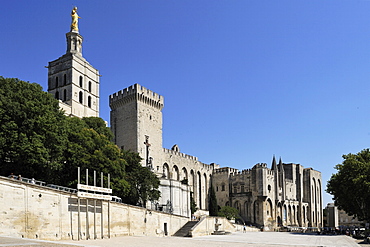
[(64, 78), (39, 212), (136, 118), (286, 194), (209, 225), (136, 112), (177, 166)]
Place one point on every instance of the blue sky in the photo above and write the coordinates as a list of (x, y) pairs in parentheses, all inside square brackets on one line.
[(243, 80)]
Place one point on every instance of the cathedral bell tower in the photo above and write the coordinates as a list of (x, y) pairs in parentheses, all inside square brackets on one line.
[(72, 80)]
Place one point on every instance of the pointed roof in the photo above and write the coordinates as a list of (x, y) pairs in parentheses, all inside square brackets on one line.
[(281, 167), (273, 166)]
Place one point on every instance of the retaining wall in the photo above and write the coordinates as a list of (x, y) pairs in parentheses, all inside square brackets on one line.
[(39, 212)]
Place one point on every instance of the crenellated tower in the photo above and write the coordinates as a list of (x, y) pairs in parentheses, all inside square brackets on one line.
[(72, 80), (136, 122)]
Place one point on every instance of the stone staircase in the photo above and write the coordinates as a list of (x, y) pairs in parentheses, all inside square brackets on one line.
[(184, 231)]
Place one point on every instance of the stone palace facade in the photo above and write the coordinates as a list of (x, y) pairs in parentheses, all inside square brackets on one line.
[(283, 195)]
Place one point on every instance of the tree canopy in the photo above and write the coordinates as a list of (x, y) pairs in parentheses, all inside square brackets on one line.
[(143, 182), (212, 203), (90, 148), (31, 129), (350, 186), (38, 141), (229, 212)]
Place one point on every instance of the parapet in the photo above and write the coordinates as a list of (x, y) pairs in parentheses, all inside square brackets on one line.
[(226, 170), (260, 165), (136, 93), (246, 171), (174, 152)]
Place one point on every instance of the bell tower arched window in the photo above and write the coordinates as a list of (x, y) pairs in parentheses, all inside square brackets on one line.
[(89, 101), (65, 95), (81, 81)]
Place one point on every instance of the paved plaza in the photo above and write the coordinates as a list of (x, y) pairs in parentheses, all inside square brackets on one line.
[(257, 239)]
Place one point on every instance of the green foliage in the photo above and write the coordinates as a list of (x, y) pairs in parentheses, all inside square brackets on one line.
[(31, 130), (350, 186), (212, 203), (91, 149), (143, 182), (229, 212), (99, 125), (193, 205), (38, 141)]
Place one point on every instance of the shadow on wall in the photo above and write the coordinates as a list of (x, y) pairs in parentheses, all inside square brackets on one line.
[(92, 205)]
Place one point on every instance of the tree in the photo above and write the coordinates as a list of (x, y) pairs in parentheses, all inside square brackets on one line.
[(143, 182), (90, 148), (193, 204), (212, 203), (38, 140), (31, 130), (99, 125), (350, 186), (229, 212)]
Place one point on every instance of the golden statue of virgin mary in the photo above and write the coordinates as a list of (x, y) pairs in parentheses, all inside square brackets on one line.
[(75, 17)]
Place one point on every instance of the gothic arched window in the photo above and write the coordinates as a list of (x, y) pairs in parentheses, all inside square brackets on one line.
[(81, 82), (80, 98), (176, 175), (89, 101), (65, 95), (166, 171), (57, 95), (90, 86), (65, 79)]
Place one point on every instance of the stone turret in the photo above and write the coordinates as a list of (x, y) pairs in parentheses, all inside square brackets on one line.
[(74, 43)]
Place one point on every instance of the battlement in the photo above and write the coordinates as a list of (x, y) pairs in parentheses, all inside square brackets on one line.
[(247, 171), (243, 172), (236, 172), (174, 152), (225, 170), (136, 93), (265, 167), (261, 165)]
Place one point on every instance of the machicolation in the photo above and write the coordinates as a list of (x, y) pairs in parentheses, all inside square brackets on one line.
[(136, 92)]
